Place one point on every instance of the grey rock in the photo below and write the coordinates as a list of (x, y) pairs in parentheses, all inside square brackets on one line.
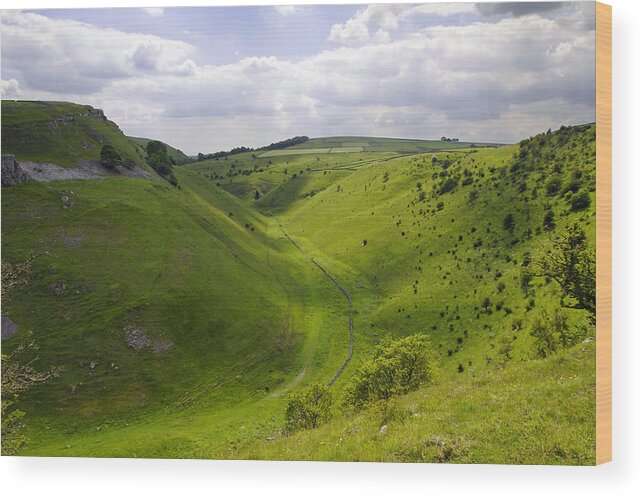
[(57, 288), (9, 328), (12, 172)]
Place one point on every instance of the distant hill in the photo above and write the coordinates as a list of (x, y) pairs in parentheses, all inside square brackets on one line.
[(348, 144), (61, 133), (177, 155)]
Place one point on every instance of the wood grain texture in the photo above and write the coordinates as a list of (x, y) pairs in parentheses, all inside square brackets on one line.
[(603, 233)]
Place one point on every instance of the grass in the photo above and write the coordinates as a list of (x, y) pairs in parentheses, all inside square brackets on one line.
[(207, 269)]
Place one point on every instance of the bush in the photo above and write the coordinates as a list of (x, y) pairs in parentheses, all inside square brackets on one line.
[(308, 408), (553, 186), (548, 220), (398, 367), (580, 202), (552, 333), (508, 223)]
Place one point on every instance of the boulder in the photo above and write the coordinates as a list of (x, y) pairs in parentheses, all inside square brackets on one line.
[(9, 328), (12, 173)]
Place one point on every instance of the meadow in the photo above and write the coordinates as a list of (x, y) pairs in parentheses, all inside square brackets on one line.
[(184, 318)]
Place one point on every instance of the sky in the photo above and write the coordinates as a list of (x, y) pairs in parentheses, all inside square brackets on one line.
[(205, 79)]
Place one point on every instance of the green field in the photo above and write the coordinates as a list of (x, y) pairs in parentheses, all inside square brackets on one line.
[(353, 144), (237, 317)]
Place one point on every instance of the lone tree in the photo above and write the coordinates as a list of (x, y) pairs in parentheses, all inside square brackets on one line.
[(570, 262), (308, 408), (159, 160), (109, 157)]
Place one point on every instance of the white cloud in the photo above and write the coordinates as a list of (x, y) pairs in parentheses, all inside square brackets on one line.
[(154, 11), (10, 89), (287, 10), (387, 17), (496, 80), (71, 56)]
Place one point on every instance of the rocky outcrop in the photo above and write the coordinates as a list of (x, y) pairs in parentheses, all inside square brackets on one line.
[(12, 173)]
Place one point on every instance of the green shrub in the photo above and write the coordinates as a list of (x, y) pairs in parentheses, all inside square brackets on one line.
[(552, 332), (553, 186), (308, 408), (398, 367)]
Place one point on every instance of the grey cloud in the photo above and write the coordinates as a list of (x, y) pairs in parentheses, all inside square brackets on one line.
[(517, 9)]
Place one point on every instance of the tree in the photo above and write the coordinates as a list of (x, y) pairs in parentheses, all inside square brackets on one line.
[(109, 157), (307, 408), (570, 263), (397, 367), (158, 159)]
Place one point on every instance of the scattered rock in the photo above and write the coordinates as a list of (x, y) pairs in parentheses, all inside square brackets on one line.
[(138, 339), (383, 429), (9, 328), (57, 288), (71, 241)]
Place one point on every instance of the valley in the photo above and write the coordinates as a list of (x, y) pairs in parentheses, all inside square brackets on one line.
[(185, 315)]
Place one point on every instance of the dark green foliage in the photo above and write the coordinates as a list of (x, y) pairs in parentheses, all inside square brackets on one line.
[(308, 408), (552, 332), (447, 185), (286, 143), (509, 223), (109, 157), (553, 186), (580, 202), (397, 367), (158, 158), (548, 220)]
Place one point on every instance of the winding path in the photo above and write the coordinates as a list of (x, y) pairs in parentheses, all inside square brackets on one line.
[(348, 299)]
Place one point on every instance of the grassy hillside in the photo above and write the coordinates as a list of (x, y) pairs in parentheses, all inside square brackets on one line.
[(173, 153), (237, 317), (61, 133)]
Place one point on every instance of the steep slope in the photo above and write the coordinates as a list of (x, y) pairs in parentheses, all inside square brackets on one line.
[(61, 133)]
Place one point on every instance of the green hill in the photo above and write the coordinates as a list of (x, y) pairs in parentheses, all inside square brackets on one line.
[(61, 133), (356, 144), (174, 153), (185, 317)]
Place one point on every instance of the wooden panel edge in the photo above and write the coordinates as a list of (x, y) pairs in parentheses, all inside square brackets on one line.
[(603, 233)]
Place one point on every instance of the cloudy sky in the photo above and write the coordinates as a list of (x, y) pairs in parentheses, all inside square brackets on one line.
[(207, 79)]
